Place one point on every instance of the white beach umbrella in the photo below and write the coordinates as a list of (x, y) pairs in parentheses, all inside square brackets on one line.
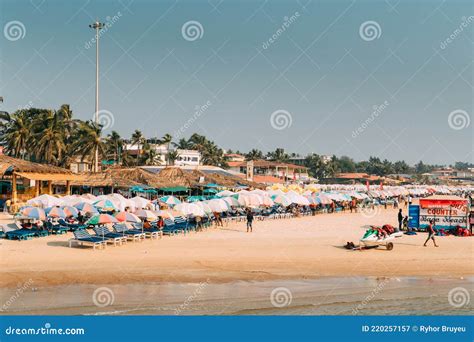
[(190, 209), (232, 201), (146, 214), (225, 193), (44, 201), (218, 205), (206, 207), (140, 202)]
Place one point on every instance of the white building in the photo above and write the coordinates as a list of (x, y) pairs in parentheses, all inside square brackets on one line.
[(188, 157), (185, 157)]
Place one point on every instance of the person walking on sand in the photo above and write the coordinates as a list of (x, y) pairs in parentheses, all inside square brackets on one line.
[(431, 234), (249, 220), (400, 219)]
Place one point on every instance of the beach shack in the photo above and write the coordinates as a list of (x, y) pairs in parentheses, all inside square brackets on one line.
[(447, 211), (23, 179)]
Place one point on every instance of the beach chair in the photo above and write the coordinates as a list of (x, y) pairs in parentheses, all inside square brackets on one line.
[(57, 229), (181, 224), (71, 226), (169, 227), (20, 234), (115, 238), (132, 234), (153, 233), (82, 237)]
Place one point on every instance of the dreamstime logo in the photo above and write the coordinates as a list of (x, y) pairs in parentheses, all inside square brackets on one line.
[(380, 286), (281, 119), (199, 110), (370, 30), (14, 30), (105, 118), (370, 212), (459, 297), (19, 291), (103, 296), (192, 30), (464, 24), (281, 297), (197, 292), (377, 110), (288, 21), (459, 119)]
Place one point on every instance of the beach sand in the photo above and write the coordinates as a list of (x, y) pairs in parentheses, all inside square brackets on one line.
[(298, 248)]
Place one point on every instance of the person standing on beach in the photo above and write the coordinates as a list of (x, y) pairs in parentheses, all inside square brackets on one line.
[(400, 219), (249, 220), (431, 234)]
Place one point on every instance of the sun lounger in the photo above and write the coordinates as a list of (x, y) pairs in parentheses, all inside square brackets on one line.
[(71, 226), (115, 238), (82, 237), (169, 227), (20, 234), (132, 234), (154, 232), (56, 228)]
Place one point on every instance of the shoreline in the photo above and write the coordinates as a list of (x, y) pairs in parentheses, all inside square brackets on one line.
[(299, 248)]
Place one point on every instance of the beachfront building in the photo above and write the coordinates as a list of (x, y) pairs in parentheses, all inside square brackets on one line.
[(353, 178), (22, 180), (234, 157), (184, 157), (79, 165), (279, 171)]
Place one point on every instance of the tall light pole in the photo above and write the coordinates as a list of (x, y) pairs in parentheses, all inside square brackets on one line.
[(96, 26)]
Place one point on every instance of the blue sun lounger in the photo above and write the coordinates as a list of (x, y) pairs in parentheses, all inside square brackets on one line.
[(115, 238), (133, 234), (154, 232), (20, 234), (82, 237), (56, 228)]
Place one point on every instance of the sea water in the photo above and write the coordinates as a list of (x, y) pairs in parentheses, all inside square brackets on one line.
[(323, 296)]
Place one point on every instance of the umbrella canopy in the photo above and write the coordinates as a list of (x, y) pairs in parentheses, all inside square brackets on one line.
[(190, 209), (218, 205), (33, 212), (250, 200), (170, 200), (281, 199), (125, 216), (102, 219), (204, 207), (140, 202), (146, 214), (297, 198), (231, 201), (44, 201), (86, 208), (225, 193), (56, 212), (105, 205), (196, 198), (70, 211)]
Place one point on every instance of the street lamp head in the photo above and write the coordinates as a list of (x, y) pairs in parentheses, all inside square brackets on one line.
[(96, 25)]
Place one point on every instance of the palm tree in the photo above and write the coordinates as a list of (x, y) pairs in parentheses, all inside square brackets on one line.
[(166, 140), (171, 157), (183, 144), (138, 139), (16, 133), (88, 140), (254, 154), (49, 138), (114, 145)]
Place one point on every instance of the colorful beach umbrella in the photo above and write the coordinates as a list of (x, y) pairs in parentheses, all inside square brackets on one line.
[(85, 207), (33, 212), (146, 214), (282, 200), (70, 211), (56, 212), (102, 219), (231, 201), (125, 216), (170, 200), (105, 205)]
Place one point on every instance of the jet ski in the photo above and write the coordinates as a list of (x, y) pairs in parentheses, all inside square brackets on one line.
[(380, 236)]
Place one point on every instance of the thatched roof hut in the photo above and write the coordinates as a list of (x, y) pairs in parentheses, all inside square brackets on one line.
[(9, 165)]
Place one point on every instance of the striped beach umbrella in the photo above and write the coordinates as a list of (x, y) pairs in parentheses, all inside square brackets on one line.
[(102, 219), (170, 200), (85, 207), (281, 199), (105, 205), (146, 214), (34, 212), (70, 211), (232, 201), (125, 216), (56, 212)]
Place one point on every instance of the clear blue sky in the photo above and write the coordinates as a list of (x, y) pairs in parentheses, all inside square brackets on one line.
[(320, 70)]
